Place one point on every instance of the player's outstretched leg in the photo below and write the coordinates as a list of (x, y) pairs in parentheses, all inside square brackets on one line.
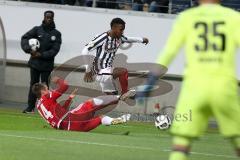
[(127, 95), (105, 100), (97, 106), (112, 99), (181, 148), (85, 126), (122, 75), (106, 120), (236, 143)]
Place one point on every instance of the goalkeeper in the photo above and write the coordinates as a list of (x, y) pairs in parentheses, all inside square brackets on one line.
[(210, 34)]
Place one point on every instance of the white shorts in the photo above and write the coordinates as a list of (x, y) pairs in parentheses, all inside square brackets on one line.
[(106, 80)]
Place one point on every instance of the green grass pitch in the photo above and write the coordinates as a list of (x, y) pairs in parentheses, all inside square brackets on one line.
[(28, 137)]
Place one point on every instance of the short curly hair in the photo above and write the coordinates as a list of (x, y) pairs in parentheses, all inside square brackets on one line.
[(117, 21), (49, 11)]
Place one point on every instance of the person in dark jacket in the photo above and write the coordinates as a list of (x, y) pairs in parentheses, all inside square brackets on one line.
[(41, 62)]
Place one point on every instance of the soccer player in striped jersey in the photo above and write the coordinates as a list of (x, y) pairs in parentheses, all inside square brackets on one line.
[(82, 118), (211, 35), (106, 46)]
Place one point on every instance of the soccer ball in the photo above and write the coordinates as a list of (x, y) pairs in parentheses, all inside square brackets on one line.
[(163, 122), (34, 44)]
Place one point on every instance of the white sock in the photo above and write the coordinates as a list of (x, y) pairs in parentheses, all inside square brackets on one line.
[(106, 120), (105, 100), (97, 101)]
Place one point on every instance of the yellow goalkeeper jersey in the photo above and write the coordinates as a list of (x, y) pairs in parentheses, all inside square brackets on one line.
[(210, 35)]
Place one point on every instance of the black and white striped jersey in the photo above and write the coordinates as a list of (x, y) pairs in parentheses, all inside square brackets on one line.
[(106, 48)]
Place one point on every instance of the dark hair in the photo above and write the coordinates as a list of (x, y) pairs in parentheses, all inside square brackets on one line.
[(49, 11), (117, 21), (36, 89)]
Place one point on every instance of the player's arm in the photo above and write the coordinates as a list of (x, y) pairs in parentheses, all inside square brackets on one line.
[(69, 100), (62, 86), (24, 39), (67, 103), (127, 39), (174, 43), (94, 43)]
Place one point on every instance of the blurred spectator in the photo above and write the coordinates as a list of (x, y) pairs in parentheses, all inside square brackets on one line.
[(41, 61), (106, 4), (195, 3), (151, 5), (145, 7), (46, 1), (124, 4), (88, 3), (73, 2), (137, 5), (160, 6)]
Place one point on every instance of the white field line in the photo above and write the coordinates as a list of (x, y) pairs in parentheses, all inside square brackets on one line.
[(22, 116), (110, 145), (124, 126)]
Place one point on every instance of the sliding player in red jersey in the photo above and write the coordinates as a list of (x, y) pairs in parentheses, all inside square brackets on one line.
[(83, 117)]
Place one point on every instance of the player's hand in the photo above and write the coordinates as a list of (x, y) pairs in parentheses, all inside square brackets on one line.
[(73, 94), (55, 79), (35, 54), (88, 77), (145, 41)]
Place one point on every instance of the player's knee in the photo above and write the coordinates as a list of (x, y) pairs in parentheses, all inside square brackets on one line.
[(236, 143), (120, 71), (238, 152), (181, 144), (182, 149)]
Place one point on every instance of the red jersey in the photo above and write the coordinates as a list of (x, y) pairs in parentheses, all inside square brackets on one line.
[(49, 108)]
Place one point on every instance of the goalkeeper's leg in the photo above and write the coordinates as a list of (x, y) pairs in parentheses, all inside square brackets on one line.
[(181, 148), (236, 143)]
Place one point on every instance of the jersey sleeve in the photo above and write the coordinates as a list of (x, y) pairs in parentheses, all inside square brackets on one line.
[(62, 87), (93, 44), (174, 42), (126, 39)]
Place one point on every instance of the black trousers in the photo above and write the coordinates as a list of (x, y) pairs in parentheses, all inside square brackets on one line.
[(35, 76)]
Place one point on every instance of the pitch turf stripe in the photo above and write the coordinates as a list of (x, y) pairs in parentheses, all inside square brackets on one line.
[(112, 145), (76, 141), (208, 154), (21, 116)]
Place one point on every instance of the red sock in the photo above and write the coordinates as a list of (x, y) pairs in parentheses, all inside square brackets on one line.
[(123, 79)]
